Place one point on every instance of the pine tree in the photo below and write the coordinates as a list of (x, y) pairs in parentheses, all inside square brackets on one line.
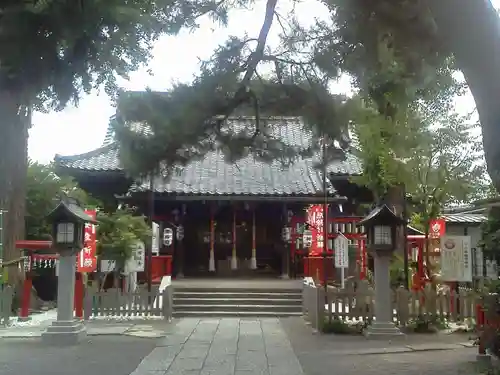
[(53, 51)]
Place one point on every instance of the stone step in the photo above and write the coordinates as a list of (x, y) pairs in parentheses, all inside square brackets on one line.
[(236, 294), (209, 300), (240, 314), (238, 308), (238, 290)]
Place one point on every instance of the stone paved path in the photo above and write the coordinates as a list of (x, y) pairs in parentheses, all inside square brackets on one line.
[(227, 346)]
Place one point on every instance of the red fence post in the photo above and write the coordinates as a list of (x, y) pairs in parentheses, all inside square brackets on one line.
[(79, 296), (480, 326), (25, 300)]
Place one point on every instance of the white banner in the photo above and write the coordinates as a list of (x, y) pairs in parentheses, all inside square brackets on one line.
[(136, 262), (341, 252), (156, 238), (456, 258)]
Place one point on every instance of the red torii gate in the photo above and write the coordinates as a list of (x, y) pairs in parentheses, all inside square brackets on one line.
[(31, 246)]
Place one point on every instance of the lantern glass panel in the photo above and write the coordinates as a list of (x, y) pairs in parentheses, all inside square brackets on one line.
[(65, 232), (382, 235)]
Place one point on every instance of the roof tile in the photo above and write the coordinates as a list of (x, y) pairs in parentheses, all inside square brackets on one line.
[(214, 176)]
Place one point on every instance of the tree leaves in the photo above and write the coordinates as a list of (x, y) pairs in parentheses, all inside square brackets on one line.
[(118, 233), (53, 50), (44, 189)]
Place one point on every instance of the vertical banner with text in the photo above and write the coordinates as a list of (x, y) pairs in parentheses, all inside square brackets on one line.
[(87, 260), (315, 221)]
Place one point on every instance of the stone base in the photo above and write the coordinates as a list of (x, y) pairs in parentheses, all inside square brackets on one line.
[(484, 359), (64, 333), (234, 263), (211, 264), (253, 263), (284, 276), (383, 331)]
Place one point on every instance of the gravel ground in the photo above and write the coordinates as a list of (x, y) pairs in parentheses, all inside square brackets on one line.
[(106, 355), (326, 354)]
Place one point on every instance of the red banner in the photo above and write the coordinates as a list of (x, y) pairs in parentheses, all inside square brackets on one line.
[(437, 228), (315, 220), (87, 261)]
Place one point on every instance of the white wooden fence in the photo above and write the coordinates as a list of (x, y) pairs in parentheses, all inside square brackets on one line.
[(6, 293), (140, 304), (356, 303)]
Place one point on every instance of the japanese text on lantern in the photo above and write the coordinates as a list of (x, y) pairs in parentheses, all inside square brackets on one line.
[(87, 261)]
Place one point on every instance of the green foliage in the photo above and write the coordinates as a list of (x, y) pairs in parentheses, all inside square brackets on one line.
[(397, 271), (53, 50), (118, 233), (44, 190), (490, 242), (339, 327), (427, 324), (432, 151)]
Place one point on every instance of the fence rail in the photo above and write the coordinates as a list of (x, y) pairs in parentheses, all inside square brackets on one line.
[(6, 294), (356, 303), (115, 303)]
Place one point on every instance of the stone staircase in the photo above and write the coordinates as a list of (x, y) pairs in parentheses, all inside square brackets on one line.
[(240, 302)]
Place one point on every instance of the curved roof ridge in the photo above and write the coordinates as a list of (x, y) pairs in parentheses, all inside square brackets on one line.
[(95, 152)]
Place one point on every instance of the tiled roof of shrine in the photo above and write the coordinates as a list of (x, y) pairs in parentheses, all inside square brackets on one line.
[(214, 176)]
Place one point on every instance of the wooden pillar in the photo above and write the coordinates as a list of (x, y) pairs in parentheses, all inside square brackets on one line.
[(234, 259), (253, 259), (285, 257), (211, 260), (179, 244)]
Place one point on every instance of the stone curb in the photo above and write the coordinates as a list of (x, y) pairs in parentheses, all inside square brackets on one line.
[(132, 331), (406, 349)]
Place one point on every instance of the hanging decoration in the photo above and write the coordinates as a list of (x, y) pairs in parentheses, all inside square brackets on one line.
[(179, 233), (39, 262)]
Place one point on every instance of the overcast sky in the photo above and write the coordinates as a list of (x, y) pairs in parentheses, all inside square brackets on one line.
[(78, 130)]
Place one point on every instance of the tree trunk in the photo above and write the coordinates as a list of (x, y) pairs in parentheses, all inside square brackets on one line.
[(471, 30), (13, 166), (395, 200)]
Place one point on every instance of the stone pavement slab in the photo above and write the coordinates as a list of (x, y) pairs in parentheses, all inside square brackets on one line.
[(225, 346)]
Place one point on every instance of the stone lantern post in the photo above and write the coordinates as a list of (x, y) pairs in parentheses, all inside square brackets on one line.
[(381, 225), (68, 222)]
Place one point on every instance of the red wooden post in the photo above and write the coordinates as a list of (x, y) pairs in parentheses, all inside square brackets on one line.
[(79, 290), (28, 281), (25, 301)]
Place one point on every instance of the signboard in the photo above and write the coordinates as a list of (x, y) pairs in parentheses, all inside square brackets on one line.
[(108, 265), (456, 258), (315, 220), (341, 245), (156, 238), (437, 228), (136, 261), (87, 260)]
